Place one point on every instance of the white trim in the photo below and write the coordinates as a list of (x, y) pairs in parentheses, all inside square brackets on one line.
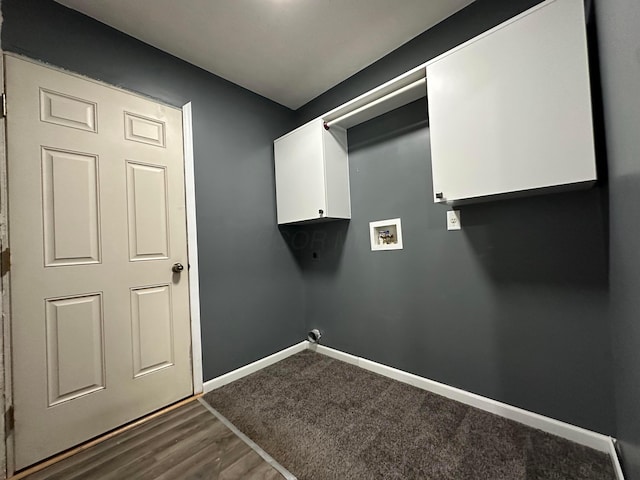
[(6, 392), (192, 245), (234, 375), (579, 435), (617, 468)]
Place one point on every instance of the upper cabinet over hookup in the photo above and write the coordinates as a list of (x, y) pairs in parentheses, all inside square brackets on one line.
[(510, 111)]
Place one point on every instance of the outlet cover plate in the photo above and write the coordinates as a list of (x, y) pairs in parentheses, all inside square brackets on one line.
[(453, 220)]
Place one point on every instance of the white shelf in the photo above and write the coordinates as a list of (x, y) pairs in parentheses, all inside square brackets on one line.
[(394, 94)]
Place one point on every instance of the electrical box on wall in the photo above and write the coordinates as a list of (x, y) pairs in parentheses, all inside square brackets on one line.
[(386, 234)]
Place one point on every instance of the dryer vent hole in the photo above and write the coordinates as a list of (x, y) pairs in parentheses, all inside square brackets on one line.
[(314, 336)]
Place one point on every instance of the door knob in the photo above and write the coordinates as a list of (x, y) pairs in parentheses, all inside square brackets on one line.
[(177, 267)]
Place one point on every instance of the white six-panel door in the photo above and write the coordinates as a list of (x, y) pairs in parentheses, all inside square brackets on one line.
[(100, 322)]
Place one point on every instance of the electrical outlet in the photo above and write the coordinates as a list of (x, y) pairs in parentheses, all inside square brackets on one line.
[(453, 220)]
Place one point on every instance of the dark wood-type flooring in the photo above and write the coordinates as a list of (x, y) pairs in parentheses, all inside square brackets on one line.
[(186, 443)]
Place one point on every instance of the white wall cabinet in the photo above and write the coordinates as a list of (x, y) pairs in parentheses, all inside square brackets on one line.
[(312, 174), (510, 111)]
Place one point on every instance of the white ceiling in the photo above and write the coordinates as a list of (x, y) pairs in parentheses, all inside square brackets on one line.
[(290, 51)]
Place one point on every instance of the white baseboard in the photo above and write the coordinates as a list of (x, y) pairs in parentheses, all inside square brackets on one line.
[(253, 367), (616, 461), (579, 435)]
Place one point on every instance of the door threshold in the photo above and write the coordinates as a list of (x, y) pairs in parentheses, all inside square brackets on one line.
[(95, 441)]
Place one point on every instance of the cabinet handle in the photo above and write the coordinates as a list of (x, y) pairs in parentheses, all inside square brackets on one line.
[(439, 195)]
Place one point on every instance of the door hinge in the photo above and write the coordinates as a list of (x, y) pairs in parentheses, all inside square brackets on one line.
[(4, 105), (9, 421), (5, 261)]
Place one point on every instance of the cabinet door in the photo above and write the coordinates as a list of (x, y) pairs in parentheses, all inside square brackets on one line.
[(510, 110), (336, 166), (300, 175)]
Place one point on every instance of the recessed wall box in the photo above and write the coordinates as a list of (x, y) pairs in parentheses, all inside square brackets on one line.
[(386, 234)]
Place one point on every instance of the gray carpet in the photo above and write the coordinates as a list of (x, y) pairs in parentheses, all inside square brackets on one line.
[(324, 419)]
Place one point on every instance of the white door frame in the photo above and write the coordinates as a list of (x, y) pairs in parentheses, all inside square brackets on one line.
[(6, 395), (192, 246), (7, 467)]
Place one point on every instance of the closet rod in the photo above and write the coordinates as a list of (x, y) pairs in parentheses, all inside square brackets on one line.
[(378, 101)]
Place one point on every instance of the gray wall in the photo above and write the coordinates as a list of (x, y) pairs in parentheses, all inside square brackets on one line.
[(251, 290), (514, 307), (618, 24)]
